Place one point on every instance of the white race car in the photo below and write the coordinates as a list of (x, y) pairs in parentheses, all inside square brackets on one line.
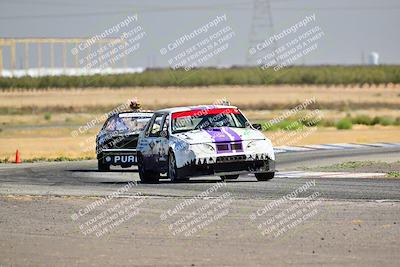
[(203, 140)]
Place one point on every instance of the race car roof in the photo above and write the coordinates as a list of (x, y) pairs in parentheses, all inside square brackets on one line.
[(193, 108), (128, 114)]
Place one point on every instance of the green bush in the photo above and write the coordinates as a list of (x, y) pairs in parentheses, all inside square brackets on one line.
[(385, 121), (362, 119), (286, 125), (310, 122), (344, 124), (329, 75), (326, 123), (393, 174), (47, 116), (5, 160), (375, 120)]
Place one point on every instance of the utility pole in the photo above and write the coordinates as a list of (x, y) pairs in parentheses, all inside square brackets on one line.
[(1, 60), (262, 27)]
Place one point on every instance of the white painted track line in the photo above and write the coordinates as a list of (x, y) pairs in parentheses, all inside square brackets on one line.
[(323, 175)]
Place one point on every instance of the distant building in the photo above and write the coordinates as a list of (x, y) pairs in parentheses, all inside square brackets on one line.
[(373, 58)]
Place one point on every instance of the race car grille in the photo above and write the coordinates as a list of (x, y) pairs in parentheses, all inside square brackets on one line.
[(222, 147), (236, 146), (229, 147), (231, 158), (127, 143)]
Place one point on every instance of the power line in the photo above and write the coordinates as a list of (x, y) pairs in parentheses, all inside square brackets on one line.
[(141, 9), (195, 8)]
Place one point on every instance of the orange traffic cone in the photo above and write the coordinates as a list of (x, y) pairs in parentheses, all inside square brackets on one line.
[(17, 157)]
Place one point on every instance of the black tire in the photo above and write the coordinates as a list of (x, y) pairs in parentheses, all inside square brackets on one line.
[(145, 175), (172, 169), (265, 176), (102, 167), (229, 177)]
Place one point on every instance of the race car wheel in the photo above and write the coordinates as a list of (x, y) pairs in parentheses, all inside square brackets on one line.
[(229, 177), (265, 176), (102, 166), (146, 176), (172, 169)]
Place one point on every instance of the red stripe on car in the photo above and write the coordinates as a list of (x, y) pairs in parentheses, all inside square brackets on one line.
[(201, 112)]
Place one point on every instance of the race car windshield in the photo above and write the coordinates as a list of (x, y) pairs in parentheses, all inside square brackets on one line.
[(209, 118), (125, 124)]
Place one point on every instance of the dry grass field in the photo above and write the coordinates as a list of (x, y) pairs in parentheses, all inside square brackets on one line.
[(246, 97), (47, 118), (38, 143)]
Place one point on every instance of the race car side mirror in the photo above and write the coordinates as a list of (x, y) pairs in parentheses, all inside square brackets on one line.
[(257, 126), (164, 134)]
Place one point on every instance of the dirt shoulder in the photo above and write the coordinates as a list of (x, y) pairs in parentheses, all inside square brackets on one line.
[(362, 166), (39, 231)]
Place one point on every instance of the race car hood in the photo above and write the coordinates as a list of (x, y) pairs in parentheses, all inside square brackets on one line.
[(118, 140), (221, 134)]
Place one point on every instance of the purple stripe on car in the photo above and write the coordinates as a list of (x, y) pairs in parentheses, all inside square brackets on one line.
[(236, 138), (219, 137)]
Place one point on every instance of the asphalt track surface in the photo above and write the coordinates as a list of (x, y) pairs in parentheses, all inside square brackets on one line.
[(354, 222), (83, 179)]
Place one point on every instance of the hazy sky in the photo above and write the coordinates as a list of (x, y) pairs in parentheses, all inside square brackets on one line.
[(351, 27)]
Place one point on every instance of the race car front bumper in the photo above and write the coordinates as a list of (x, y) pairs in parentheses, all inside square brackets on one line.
[(118, 157), (227, 165)]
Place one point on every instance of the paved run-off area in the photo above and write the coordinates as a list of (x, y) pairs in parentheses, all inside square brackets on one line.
[(40, 232), (50, 217)]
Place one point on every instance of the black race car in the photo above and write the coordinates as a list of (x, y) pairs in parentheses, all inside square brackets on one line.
[(117, 140)]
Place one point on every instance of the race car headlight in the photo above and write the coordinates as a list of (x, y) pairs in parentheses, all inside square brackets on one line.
[(255, 143), (209, 147), (205, 148)]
